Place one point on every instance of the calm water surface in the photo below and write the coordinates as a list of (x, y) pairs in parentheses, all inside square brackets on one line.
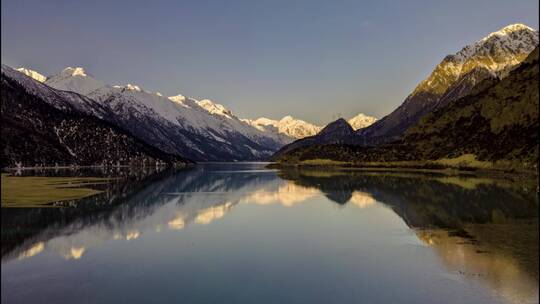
[(244, 234)]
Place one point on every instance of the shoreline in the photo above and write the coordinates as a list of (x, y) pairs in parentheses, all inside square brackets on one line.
[(406, 166), (445, 170), (93, 166)]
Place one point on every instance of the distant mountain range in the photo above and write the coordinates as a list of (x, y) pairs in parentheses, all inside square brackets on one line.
[(490, 60), (196, 129)]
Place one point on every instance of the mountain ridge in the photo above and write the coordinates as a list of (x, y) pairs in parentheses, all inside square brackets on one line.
[(298, 129), (268, 135), (201, 130), (36, 132), (493, 127), (455, 77), (33, 74), (497, 53)]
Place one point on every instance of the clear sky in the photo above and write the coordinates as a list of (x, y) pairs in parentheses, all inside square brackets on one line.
[(310, 59)]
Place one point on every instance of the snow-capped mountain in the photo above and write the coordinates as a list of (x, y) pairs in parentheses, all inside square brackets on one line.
[(498, 52), (43, 126), (361, 121), (33, 74), (297, 129), (198, 129), (201, 130), (456, 76), (491, 57), (215, 108), (287, 126), (59, 99), (75, 80)]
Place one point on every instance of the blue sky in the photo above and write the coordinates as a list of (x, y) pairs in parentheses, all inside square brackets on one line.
[(311, 59)]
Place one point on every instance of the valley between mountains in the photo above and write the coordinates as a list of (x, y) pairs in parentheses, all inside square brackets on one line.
[(477, 109)]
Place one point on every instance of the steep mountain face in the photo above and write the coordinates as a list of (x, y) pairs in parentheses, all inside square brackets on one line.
[(361, 121), (40, 132), (33, 74), (335, 132), (496, 122), (491, 57), (464, 86), (62, 100), (201, 130)]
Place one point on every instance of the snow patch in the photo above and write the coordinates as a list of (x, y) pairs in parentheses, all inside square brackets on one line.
[(361, 121), (33, 74)]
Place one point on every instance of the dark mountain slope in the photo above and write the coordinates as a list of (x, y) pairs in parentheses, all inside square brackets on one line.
[(456, 76), (489, 58), (334, 133), (497, 121), (34, 133)]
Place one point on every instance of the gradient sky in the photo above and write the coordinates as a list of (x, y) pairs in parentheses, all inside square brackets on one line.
[(310, 59)]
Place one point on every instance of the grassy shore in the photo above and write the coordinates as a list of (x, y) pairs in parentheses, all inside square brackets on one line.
[(38, 191), (467, 162)]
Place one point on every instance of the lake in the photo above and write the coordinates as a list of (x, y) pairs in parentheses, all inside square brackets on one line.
[(242, 233)]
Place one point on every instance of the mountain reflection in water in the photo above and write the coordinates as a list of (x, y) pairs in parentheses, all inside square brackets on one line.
[(481, 229)]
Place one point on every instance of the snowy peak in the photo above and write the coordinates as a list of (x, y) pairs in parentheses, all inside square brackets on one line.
[(186, 102), (509, 41), (178, 99), (361, 121), (265, 121), (31, 73), (264, 124), (509, 29), (498, 52), (76, 80), (288, 126), (215, 108), (77, 71), (297, 128), (130, 87)]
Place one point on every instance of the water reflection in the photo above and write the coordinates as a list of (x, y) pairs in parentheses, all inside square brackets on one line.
[(287, 194), (155, 201), (362, 199), (481, 229), (479, 261)]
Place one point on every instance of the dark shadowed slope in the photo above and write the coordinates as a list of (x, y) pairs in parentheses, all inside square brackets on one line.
[(498, 121), (458, 75), (334, 133), (35, 133), (489, 58)]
